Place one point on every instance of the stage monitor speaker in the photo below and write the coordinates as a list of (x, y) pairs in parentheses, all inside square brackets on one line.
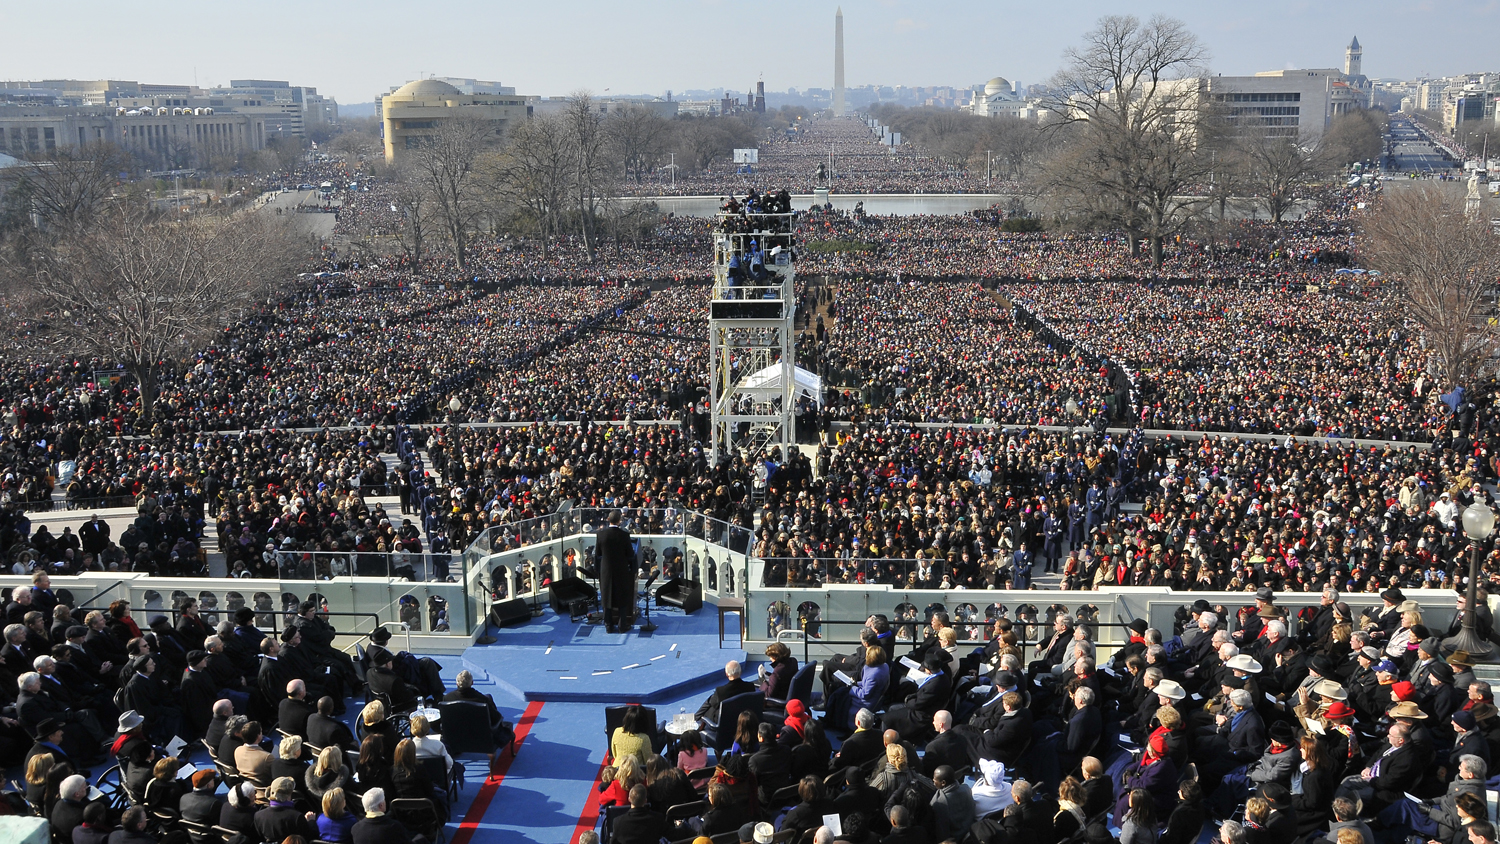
[(514, 611), (565, 591), (687, 594)]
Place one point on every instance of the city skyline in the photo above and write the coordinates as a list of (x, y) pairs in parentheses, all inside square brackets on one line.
[(893, 42)]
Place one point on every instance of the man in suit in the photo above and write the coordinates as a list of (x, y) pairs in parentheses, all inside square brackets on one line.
[(501, 730), (1484, 621), (864, 744), (1083, 730), (132, 828), (102, 644), (295, 710), (947, 748), (252, 762), (708, 713), (36, 707), (68, 813), (617, 573), (378, 827), (1054, 650), (273, 676), (325, 729), (639, 825), (218, 725), (200, 805), (198, 693), (1394, 772)]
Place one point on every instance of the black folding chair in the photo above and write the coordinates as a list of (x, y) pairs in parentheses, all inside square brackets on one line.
[(466, 728), (418, 814)]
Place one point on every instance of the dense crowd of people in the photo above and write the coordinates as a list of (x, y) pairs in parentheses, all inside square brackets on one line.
[(1347, 728), (268, 706), (859, 163)]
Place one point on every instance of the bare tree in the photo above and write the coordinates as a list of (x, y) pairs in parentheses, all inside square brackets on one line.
[(1276, 169), (1447, 266), (634, 138), (533, 174), (148, 292), (67, 188), (1137, 91), (590, 173), (445, 164)]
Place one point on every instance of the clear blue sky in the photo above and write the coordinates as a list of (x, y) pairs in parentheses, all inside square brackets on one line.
[(355, 50)]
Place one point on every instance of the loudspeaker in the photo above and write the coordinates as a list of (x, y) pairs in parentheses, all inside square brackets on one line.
[(509, 612), (566, 591), (677, 592)]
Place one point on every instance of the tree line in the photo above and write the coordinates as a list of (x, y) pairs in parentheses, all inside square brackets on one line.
[(551, 175), (1133, 140)]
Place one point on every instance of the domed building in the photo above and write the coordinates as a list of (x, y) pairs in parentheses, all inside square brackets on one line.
[(998, 98), (412, 113)]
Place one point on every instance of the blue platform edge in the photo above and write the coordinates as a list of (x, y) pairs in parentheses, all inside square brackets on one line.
[(552, 658)]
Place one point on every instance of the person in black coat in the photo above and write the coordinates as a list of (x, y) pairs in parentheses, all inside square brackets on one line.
[(903, 831), (238, 812), (323, 729), (913, 719), (1012, 733), (615, 557), (1185, 824), (146, 695), (864, 744), (708, 712), (200, 805), (947, 748), (198, 694), (292, 716), (500, 729), (808, 814), (190, 626), (859, 796), (639, 825), (383, 679), (1030, 817), (1468, 741), (1082, 733), (281, 819)]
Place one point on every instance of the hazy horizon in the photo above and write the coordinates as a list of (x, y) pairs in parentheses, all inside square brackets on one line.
[(701, 44)]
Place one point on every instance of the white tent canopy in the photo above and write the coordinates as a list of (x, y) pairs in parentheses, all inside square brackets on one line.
[(767, 384)]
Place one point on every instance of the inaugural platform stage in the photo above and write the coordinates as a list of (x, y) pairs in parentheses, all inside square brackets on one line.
[(551, 658)]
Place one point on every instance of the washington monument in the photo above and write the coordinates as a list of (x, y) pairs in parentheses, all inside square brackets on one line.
[(838, 63)]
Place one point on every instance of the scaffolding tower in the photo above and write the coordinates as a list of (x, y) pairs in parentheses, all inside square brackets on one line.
[(751, 339)]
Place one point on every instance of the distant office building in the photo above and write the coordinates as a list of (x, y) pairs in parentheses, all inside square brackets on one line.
[(165, 137), (288, 109), (1280, 103), (411, 113), (477, 86), (613, 105)]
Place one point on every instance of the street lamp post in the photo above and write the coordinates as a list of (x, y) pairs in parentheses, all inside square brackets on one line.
[(1479, 523), (989, 169)]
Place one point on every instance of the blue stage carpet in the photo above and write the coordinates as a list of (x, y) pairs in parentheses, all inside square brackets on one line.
[(554, 659)]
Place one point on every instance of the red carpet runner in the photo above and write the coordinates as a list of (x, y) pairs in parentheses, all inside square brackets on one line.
[(497, 775)]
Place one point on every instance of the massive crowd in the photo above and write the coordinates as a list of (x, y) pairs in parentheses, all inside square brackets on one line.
[(268, 705), (1352, 729), (859, 163)]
